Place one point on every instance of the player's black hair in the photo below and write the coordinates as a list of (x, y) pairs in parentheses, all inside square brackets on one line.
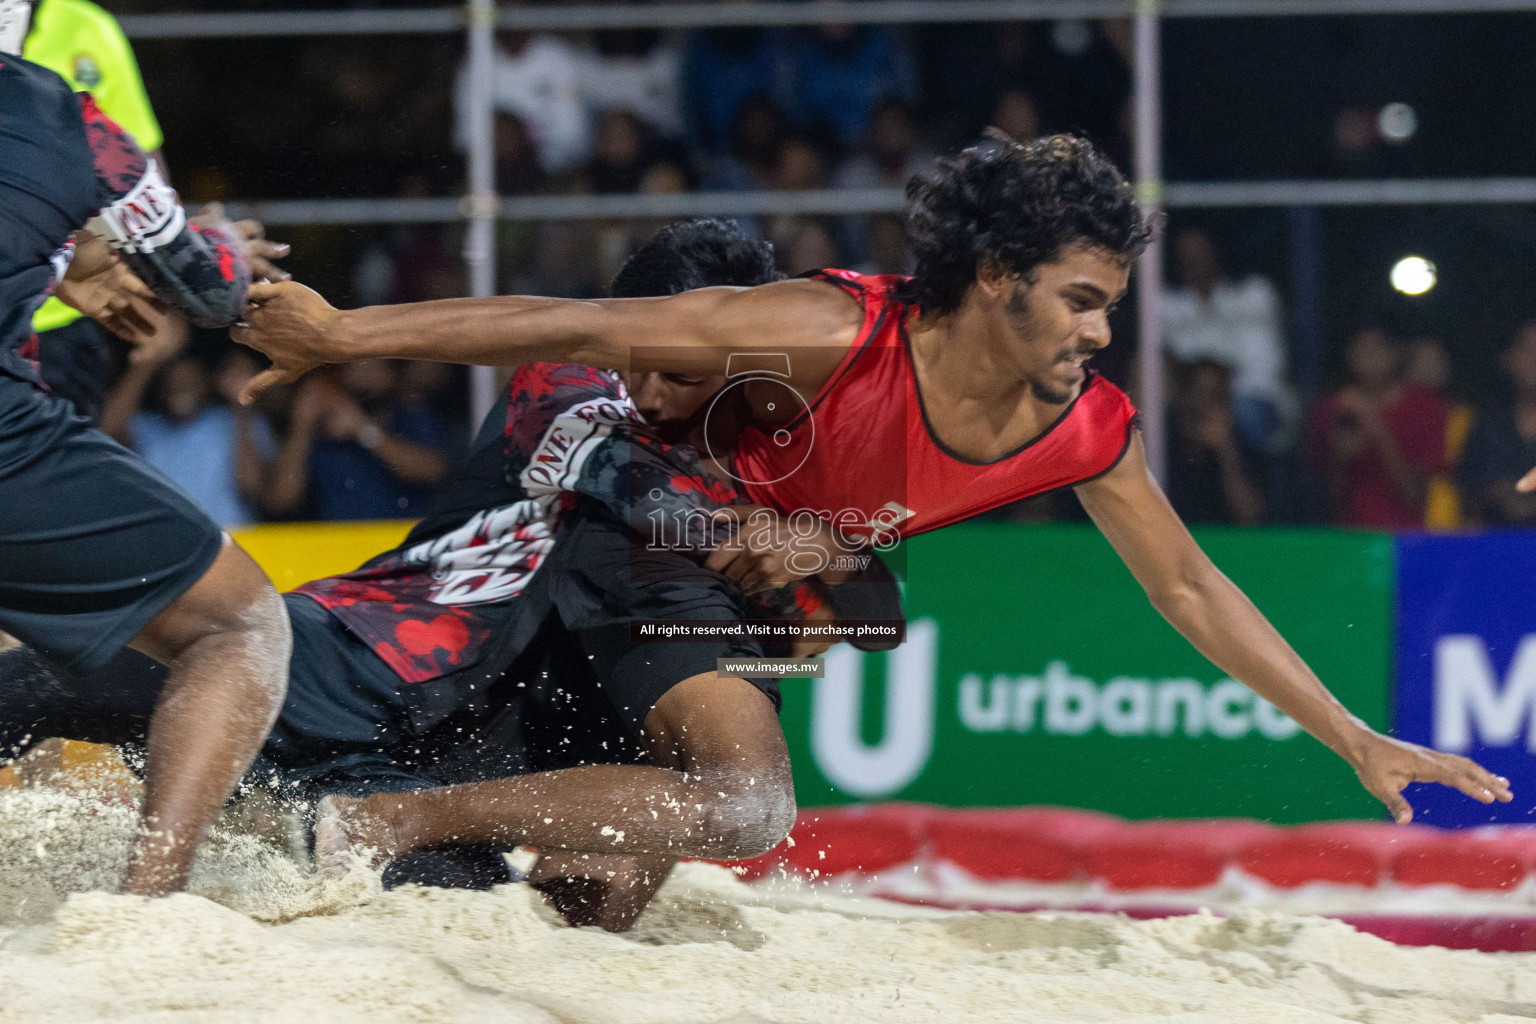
[(695, 254), (1016, 205)]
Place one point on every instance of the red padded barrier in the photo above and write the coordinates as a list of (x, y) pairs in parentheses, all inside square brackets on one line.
[(1346, 853), (1489, 934), (1034, 844), (1056, 845), (831, 841), (1172, 854), (1487, 859)]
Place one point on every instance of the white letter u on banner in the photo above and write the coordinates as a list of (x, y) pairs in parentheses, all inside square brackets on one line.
[(906, 736)]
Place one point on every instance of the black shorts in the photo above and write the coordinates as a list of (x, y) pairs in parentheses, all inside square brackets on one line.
[(94, 542), (577, 694), (76, 361), (600, 578), (342, 700)]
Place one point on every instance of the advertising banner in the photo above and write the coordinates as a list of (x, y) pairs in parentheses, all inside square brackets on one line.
[(1466, 664), (1036, 672)]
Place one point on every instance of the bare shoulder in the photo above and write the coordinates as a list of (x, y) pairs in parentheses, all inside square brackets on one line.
[(813, 323), (805, 312)]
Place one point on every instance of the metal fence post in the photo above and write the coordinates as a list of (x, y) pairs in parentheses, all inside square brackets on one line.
[(480, 204), (1149, 191)]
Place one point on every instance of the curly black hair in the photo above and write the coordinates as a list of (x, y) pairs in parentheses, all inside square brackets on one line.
[(695, 254), (1017, 205)]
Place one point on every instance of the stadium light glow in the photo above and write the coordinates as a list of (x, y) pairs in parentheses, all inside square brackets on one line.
[(1397, 122), (1413, 275)]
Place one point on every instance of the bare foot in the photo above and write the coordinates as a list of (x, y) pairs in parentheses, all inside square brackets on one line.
[(347, 831)]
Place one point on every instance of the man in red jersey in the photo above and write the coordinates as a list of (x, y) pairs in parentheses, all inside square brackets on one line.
[(890, 406)]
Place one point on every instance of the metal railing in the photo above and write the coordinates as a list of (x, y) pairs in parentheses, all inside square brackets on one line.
[(401, 21)]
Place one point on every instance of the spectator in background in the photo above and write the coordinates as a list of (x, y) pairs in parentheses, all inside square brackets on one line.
[(665, 177), (810, 247), (538, 78), (564, 262), (1081, 78), (622, 150), (1502, 444), (1429, 365), (892, 154), (722, 69), (635, 70), (1017, 114), (802, 166), (408, 262), (354, 452), (885, 245), (840, 73), (1379, 440), (518, 171), (1211, 477), (892, 151), (1237, 324), (216, 450), (965, 68), (435, 391), (757, 141)]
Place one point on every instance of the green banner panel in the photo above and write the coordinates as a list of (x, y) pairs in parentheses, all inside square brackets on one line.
[(1036, 672)]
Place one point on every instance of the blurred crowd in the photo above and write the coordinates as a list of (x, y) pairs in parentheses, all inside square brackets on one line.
[(367, 440), (647, 112), (1395, 444)]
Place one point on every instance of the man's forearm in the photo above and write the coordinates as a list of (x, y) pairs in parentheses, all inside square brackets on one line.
[(1219, 620), (498, 331)]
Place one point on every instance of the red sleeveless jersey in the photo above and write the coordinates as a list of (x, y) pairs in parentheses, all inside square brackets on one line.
[(861, 452)]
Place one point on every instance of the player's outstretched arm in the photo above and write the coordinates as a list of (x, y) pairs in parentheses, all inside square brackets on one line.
[(1202, 604), (692, 332)]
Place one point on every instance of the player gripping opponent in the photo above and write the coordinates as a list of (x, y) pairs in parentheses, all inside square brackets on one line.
[(910, 403)]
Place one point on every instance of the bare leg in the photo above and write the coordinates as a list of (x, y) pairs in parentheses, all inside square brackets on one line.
[(729, 796), (226, 642)]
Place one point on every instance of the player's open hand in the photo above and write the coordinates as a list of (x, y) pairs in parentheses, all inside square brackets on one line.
[(1527, 483), (289, 324), (1386, 765)]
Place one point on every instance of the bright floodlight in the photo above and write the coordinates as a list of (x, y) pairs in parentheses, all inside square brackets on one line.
[(1397, 122), (1413, 275)]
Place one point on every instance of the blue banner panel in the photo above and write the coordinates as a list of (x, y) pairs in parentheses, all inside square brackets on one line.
[(1466, 665)]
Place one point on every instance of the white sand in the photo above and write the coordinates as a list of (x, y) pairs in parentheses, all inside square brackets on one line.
[(711, 950)]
